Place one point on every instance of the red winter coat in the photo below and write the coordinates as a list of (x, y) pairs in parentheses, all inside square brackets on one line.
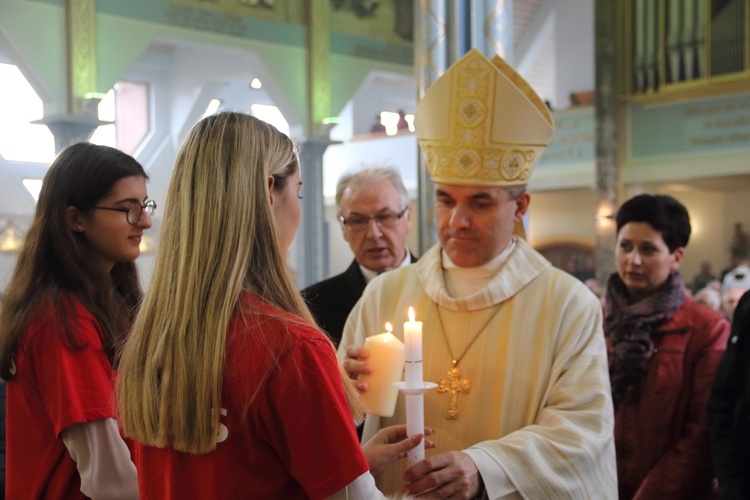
[(662, 441)]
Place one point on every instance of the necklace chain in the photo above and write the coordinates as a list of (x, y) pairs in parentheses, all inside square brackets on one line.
[(455, 359)]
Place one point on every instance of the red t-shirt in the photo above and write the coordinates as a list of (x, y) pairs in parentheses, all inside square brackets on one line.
[(295, 440), (54, 388)]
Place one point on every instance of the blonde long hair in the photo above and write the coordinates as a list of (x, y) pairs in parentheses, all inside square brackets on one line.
[(218, 238)]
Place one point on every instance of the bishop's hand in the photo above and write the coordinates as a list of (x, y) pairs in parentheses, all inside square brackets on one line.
[(448, 475), (356, 364)]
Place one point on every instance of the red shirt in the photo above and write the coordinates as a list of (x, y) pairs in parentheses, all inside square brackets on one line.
[(296, 439), (54, 388)]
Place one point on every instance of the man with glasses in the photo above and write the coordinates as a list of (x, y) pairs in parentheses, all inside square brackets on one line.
[(374, 214)]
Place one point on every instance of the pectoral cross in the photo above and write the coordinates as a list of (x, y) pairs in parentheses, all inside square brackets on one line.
[(453, 385)]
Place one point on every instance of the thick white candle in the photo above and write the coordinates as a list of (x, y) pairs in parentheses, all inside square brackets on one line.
[(387, 360), (413, 341)]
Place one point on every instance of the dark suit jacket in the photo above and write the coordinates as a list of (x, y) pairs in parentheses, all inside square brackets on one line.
[(332, 300)]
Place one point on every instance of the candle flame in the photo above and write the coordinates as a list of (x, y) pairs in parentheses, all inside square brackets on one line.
[(388, 327), (411, 313)]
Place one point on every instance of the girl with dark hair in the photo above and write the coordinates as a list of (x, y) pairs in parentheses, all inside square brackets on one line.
[(664, 350), (72, 298)]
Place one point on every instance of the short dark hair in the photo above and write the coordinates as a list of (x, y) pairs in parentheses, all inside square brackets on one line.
[(663, 213)]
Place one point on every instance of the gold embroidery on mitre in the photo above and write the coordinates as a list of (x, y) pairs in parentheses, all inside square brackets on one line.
[(447, 162), (515, 164), (467, 161), (467, 156), (465, 132), (472, 112)]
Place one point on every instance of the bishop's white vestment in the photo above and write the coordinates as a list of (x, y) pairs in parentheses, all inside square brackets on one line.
[(537, 418)]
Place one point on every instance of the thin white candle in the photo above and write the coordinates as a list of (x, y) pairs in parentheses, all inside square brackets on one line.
[(414, 387), (387, 360), (414, 382), (413, 341), (414, 426)]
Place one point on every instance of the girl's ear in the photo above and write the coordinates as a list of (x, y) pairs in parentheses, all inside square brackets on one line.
[(271, 182), (74, 220)]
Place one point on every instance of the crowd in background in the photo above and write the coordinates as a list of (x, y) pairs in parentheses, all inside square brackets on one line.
[(722, 292)]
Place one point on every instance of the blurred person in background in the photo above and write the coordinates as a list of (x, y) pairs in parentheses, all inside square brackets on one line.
[(729, 299), (709, 297)]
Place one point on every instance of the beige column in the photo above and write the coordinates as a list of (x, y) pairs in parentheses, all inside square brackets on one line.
[(430, 61), (80, 30), (608, 82), (312, 254), (319, 66), (80, 120)]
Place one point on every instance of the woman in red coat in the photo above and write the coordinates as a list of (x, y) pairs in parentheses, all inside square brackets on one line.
[(664, 350)]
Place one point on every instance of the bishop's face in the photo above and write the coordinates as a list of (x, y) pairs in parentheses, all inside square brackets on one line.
[(475, 223)]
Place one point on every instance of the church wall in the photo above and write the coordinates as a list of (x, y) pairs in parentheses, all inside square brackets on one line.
[(709, 239), (206, 58), (561, 216), (354, 74), (574, 48), (568, 216)]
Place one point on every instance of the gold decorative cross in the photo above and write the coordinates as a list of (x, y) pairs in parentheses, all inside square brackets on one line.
[(453, 385)]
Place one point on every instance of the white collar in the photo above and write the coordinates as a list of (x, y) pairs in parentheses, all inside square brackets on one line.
[(524, 264), (465, 281)]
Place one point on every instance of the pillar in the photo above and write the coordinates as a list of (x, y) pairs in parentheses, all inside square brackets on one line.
[(607, 160), (430, 61), (81, 119), (492, 28), (312, 253)]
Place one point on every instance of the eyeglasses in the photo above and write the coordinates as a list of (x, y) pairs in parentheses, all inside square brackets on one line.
[(134, 211), (362, 222)]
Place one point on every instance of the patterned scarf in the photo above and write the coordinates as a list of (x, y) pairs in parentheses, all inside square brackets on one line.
[(630, 329)]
